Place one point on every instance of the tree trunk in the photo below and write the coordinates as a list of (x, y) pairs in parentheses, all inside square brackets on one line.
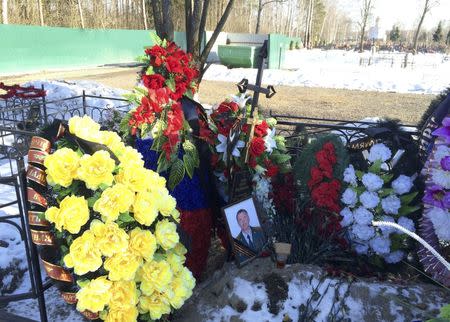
[(5, 12), (167, 19), (80, 12), (416, 35), (41, 13), (258, 17), (361, 38), (144, 15)]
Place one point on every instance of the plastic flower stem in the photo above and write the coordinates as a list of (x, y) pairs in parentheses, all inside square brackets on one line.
[(416, 237)]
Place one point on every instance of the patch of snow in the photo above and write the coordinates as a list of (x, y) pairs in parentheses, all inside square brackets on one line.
[(341, 69)]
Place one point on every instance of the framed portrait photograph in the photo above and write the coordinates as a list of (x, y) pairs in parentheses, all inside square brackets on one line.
[(245, 231)]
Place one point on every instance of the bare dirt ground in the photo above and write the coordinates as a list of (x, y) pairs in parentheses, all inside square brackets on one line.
[(304, 101)]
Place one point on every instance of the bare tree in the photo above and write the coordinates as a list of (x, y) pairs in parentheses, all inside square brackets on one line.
[(41, 13), (196, 13), (428, 5), (80, 12), (5, 12), (144, 14), (261, 5), (309, 23), (366, 11)]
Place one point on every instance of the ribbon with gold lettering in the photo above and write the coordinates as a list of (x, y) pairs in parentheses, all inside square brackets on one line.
[(90, 315), (37, 175), (36, 156), (35, 220), (70, 298), (42, 237), (36, 198), (57, 272), (41, 144)]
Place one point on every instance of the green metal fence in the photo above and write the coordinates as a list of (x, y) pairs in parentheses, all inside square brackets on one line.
[(33, 48)]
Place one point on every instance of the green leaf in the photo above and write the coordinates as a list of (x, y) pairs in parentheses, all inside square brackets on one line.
[(125, 217), (445, 312), (189, 94), (280, 158), (155, 38), (163, 163), (376, 167), (177, 171), (164, 43), (150, 70), (82, 283), (170, 82), (387, 178), (189, 148), (406, 199), (359, 174), (385, 192), (189, 164), (159, 257), (406, 210), (103, 186)]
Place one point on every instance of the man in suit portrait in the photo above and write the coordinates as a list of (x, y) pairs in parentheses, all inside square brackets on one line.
[(252, 237)]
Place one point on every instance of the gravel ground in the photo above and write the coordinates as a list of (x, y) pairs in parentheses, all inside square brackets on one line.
[(304, 101)]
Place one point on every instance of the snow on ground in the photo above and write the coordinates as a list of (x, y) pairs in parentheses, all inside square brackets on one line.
[(341, 69)]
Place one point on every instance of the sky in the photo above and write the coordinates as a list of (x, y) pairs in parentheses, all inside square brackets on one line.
[(406, 13)]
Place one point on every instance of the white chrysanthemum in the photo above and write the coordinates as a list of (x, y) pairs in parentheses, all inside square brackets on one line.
[(379, 152), (406, 223), (361, 249), (363, 216), (363, 232), (349, 197), (380, 245), (372, 182), (402, 184), (347, 215), (350, 176), (441, 152), (441, 222), (441, 177), (387, 230), (369, 199), (391, 205), (394, 257)]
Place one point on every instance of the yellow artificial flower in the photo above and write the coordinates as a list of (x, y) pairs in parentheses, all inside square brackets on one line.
[(110, 238), (176, 215), (85, 128), (52, 215), (176, 261), (179, 249), (96, 169), (113, 201), (155, 276), (134, 177), (145, 208), (187, 278), (142, 243), (122, 266), (156, 182), (95, 295), (166, 204), (84, 255), (123, 294), (72, 214), (112, 140), (166, 234), (127, 314), (179, 293), (130, 156), (156, 304), (62, 167)]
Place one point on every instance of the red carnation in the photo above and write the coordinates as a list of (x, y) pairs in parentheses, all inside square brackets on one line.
[(316, 177), (214, 160), (252, 162), (156, 51), (261, 129), (173, 65), (257, 147), (272, 170), (154, 81)]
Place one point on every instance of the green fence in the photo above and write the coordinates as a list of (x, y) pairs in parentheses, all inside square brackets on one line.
[(278, 45), (33, 48)]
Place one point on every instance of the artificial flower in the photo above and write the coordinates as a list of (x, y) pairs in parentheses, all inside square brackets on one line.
[(350, 176), (142, 243), (133, 177), (441, 222), (369, 199), (96, 169), (166, 234), (85, 128), (387, 230), (110, 238), (372, 181), (406, 223), (347, 215), (222, 147), (441, 152), (125, 314), (62, 166), (391, 205), (114, 201), (380, 152), (84, 255), (363, 216), (72, 214), (402, 184), (269, 140), (380, 245), (145, 208), (157, 305), (361, 249), (441, 177), (444, 130), (349, 197), (394, 257), (363, 232), (445, 163), (155, 276), (434, 195), (122, 266), (95, 295), (124, 294)]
